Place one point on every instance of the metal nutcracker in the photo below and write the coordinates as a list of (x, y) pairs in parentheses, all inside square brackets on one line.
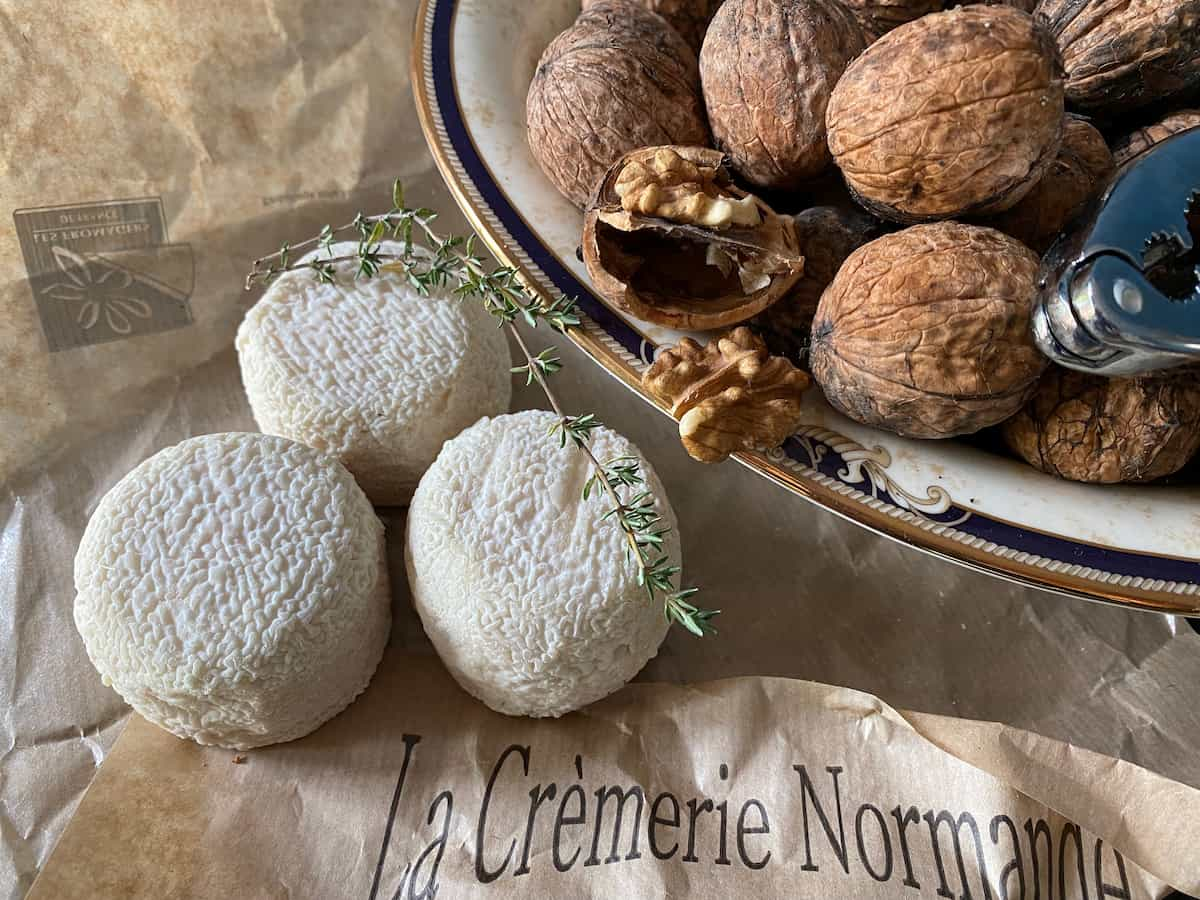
[(1120, 293)]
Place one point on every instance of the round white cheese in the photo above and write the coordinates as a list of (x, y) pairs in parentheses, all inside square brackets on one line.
[(370, 370), (232, 589), (526, 590)]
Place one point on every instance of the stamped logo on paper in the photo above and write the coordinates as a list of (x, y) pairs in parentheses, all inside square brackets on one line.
[(105, 271)]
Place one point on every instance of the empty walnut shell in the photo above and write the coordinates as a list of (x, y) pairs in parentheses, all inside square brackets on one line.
[(827, 235), (618, 79), (1137, 142), (878, 17), (1082, 166), (670, 239), (1106, 430), (926, 332), (689, 17), (768, 68), (957, 113), (1121, 54)]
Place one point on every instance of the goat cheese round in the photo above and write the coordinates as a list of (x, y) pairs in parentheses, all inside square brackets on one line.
[(525, 589), (371, 371), (232, 589)]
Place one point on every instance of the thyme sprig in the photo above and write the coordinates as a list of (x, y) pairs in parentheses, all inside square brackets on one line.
[(430, 261)]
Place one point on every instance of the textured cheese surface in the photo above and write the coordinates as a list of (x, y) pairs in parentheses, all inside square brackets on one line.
[(232, 589), (371, 371), (524, 588)]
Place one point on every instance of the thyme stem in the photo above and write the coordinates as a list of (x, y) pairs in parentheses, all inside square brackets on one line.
[(537, 374), (630, 537), (506, 297)]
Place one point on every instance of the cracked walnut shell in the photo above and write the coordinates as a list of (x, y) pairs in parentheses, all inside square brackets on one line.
[(618, 79), (728, 395), (670, 239), (926, 332), (768, 68), (956, 113), (1122, 54), (1090, 428)]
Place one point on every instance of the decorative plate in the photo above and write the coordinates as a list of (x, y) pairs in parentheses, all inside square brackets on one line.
[(1137, 546)]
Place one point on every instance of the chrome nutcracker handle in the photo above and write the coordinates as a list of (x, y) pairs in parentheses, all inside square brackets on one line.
[(1119, 294)]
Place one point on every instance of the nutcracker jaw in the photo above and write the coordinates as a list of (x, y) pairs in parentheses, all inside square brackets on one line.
[(1120, 293)]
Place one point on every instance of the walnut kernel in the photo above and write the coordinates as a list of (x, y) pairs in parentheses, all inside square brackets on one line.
[(670, 187), (729, 395)]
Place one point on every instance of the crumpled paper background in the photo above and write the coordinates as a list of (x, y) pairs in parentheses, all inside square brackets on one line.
[(256, 122), (769, 787)]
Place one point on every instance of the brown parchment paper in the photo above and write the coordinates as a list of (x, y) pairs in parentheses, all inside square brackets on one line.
[(736, 788), (148, 152), (160, 147)]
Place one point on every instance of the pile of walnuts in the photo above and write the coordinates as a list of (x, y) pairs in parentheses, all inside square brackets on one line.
[(917, 157)]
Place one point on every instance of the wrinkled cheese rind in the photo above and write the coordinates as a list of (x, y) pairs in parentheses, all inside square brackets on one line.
[(371, 371), (232, 589), (526, 591)]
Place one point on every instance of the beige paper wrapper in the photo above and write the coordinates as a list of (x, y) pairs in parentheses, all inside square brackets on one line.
[(150, 151), (735, 788)]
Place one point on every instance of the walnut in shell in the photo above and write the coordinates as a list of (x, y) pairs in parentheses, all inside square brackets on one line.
[(689, 17), (1139, 141), (959, 112), (768, 67), (728, 395), (1081, 168), (827, 235), (1121, 54), (670, 239), (618, 79), (1025, 5), (926, 332), (878, 17), (1105, 430)]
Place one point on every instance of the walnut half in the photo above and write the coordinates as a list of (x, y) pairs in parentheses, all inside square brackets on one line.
[(671, 187), (670, 239), (728, 395)]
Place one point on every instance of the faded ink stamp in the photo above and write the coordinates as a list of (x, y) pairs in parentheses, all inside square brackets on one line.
[(101, 272)]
